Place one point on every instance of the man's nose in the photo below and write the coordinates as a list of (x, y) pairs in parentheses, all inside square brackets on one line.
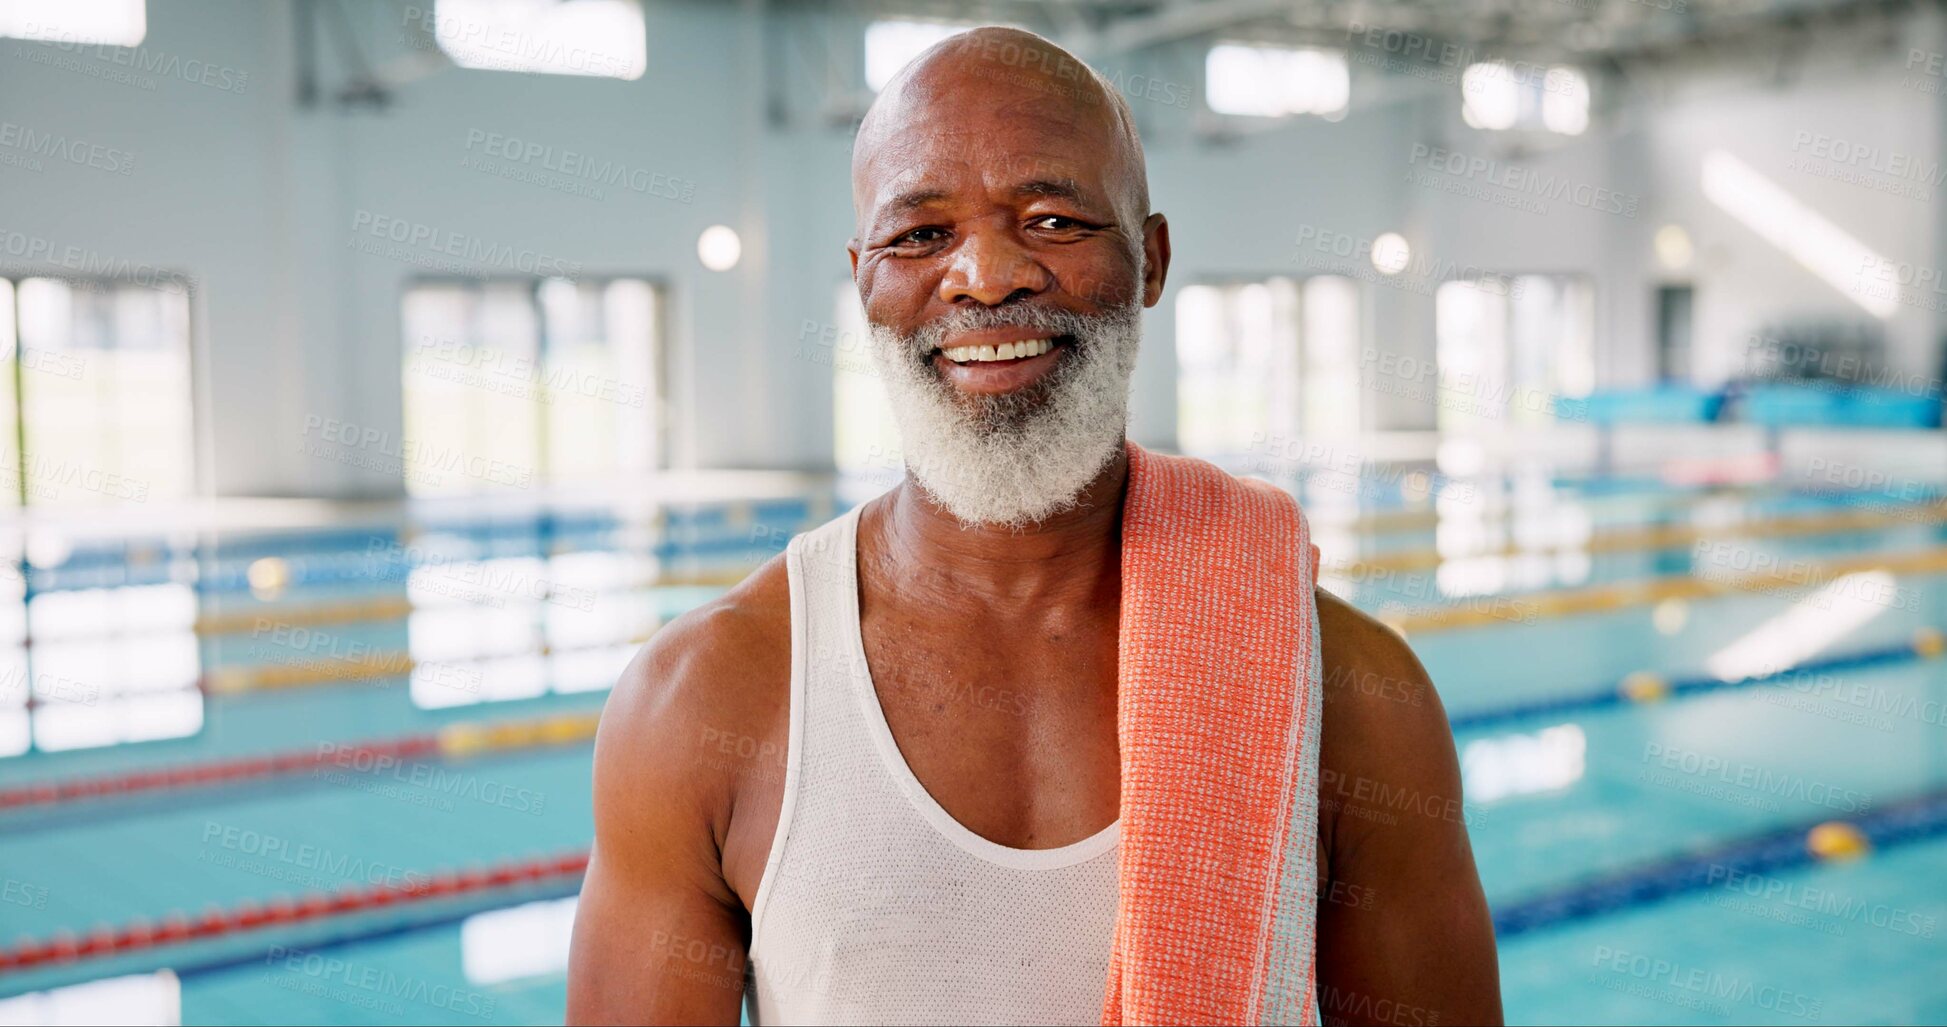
[(990, 267)]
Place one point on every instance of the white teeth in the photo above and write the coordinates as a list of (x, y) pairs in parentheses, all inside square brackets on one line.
[(1004, 351)]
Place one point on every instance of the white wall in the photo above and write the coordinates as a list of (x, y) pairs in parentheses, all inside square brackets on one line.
[(256, 198)]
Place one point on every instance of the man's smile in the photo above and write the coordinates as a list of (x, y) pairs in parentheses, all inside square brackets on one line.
[(991, 361)]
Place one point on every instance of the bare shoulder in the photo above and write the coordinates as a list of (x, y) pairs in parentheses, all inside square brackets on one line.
[(1384, 730), (1376, 691), (693, 708)]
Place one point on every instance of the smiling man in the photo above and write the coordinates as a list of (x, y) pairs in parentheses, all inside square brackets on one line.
[(1057, 730)]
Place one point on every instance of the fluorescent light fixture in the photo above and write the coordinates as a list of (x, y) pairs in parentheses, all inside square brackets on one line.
[(76, 22), (1489, 96), (1565, 101), (1818, 245), (1275, 81), (599, 38)]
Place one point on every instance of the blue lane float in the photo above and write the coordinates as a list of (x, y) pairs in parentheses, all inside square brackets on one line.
[(1920, 818)]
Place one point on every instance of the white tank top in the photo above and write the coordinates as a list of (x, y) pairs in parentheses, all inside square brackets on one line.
[(876, 905)]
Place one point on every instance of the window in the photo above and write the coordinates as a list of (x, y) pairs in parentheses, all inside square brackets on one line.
[(1506, 347), (865, 435), (891, 45), (105, 401), (506, 617), (76, 22), (600, 38), (1263, 363), (1272, 82), (1497, 95), (107, 666), (513, 383), (97, 385)]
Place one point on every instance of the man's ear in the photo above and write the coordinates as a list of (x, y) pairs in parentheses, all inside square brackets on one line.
[(1156, 257), (852, 250)]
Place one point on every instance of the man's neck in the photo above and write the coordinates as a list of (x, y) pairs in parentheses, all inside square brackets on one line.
[(1074, 555)]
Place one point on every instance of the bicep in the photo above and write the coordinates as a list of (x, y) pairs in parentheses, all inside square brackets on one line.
[(659, 936), (652, 948), (1404, 932)]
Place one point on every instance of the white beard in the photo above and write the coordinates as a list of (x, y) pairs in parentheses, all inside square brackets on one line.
[(1015, 459)]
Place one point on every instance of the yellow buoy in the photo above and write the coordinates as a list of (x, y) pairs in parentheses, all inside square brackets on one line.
[(1670, 616), (564, 729), (462, 739), (1837, 841), (1929, 642), (268, 577), (1645, 687)]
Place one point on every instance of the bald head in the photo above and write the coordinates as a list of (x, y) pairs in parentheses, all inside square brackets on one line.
[(965, 85)]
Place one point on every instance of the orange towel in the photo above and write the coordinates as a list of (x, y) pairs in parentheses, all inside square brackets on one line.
[(1218, 716)]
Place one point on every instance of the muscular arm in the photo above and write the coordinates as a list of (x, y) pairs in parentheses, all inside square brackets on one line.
[(660, 934), (1404, 934)]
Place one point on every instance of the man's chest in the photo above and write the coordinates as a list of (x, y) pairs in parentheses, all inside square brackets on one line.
[(1010, 724)]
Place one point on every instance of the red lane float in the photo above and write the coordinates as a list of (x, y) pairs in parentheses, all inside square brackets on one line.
[(458, 740), (177, 927), (220, 772)]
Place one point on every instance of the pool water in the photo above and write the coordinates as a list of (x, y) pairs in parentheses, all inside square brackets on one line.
[(1583, 804)]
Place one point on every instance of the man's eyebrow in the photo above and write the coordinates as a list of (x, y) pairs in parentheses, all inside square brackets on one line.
[(1052, 188), (912, 200)]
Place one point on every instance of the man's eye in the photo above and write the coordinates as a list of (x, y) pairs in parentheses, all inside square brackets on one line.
[(1057, 223), (919, 237)]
